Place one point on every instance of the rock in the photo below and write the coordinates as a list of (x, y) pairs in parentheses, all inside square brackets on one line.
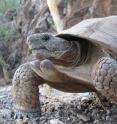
[(96, 122), (81, 122), (34, 16), (20, 121), (83, 117), (55, 121), (5, 113), (114, 109), (1, 120), (2, 83), (84, 99), (108, 118)]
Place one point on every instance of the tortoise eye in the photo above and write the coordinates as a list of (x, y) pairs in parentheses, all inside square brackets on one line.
[(45, 37)]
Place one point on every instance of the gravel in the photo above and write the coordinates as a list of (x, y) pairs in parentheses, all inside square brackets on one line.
[(63, 109)]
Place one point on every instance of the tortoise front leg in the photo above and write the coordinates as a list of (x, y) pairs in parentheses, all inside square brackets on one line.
[(59, 79), (105, 78), (26, 93), (105, 81)]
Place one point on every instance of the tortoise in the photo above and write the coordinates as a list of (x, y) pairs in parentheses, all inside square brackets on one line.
[(80, 59)]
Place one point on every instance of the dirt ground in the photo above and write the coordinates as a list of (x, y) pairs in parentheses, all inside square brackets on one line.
[(63, 109)]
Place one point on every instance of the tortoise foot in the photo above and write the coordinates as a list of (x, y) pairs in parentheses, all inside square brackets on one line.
[(33, 118)]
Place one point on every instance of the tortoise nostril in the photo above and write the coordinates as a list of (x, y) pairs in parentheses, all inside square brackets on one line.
[(45, 37)]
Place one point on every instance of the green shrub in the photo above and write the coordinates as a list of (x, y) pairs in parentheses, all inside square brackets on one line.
[(8, 4), (7, 34), (2, 61)]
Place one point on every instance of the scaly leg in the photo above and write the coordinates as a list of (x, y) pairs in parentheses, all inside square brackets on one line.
[(105, 78), (105, 81), (26, 93), (59, 79)]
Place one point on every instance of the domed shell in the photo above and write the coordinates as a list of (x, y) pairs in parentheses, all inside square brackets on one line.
[(100, 31)]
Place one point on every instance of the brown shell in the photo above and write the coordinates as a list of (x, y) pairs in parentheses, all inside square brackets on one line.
[(100, 31)]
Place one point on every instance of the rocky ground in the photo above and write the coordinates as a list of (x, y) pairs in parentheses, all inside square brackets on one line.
[(63, 109)]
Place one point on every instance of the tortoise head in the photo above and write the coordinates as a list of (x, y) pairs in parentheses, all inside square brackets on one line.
[(58, 50)]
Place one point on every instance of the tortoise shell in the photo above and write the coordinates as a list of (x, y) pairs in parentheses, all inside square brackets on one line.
[(99, 31)]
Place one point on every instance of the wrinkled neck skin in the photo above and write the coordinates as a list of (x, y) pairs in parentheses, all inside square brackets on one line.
[(82, 73), (73, 57)]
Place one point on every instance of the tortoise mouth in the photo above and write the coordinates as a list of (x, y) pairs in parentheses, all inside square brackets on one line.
[(40, 53), (39, 48)]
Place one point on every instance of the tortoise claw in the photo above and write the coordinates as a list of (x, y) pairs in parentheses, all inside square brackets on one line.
[(42, 68), (33, 118)]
